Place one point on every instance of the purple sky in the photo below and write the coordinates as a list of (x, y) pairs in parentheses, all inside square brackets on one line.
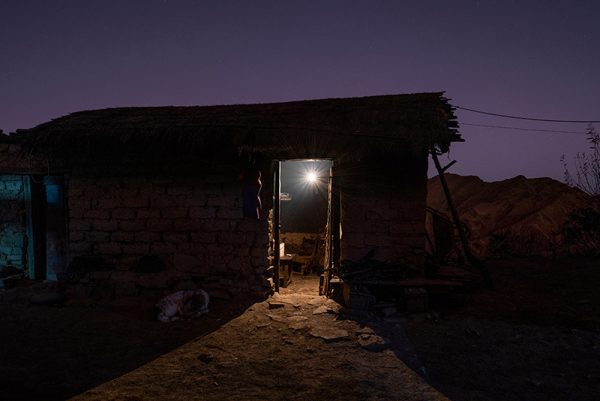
[(532, 58)]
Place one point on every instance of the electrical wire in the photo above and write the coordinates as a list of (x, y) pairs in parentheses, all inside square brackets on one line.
[(527, 118), (524, 129)]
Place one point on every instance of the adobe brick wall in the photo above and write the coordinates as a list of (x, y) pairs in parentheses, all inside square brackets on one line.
[(13, 160), (194, 223), (13, 228), (383, 209), (393, 228)]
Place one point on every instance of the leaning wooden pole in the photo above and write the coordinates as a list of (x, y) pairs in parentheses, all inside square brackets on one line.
[(474, 261)]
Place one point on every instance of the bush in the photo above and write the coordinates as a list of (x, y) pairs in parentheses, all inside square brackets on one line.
[(587, 167), (582, 230)]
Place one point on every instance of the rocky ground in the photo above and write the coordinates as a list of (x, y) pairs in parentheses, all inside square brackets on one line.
[(536, 336)]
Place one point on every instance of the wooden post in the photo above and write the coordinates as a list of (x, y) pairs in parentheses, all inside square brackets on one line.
[(329, 243), (455, 217), (335, 225), (276, 222)]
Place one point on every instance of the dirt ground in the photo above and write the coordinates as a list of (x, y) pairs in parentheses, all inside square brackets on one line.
[(536, 336), (294, 346)]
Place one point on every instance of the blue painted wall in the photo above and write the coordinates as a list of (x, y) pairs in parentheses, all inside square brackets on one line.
[(13, 220)]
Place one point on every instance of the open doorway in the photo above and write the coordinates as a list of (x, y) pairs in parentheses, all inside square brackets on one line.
[(303, 213)]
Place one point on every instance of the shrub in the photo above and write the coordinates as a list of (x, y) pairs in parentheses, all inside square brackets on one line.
[(582, 230)]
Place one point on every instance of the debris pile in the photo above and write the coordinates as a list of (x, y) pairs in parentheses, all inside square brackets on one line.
[(371, 271)]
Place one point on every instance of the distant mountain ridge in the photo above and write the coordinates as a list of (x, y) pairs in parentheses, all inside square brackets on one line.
[(519, 215)]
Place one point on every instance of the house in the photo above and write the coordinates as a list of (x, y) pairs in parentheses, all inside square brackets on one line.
[(111, 192)]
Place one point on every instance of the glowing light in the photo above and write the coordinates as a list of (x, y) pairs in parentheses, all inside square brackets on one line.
[(311, 177)]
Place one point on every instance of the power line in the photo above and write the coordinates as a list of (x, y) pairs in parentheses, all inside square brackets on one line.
[(527, 118), (525, 129)]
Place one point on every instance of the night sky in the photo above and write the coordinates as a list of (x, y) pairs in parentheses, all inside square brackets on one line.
[(529, 58)]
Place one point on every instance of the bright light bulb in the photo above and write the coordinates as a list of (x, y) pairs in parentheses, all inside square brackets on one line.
[(311, 177)]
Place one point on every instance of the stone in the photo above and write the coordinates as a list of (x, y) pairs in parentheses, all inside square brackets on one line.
[(206, 357), (320, 310), (333, 306), (280, 319), (372, 342), (317, 301), (365, 330), (298, 326), (276, 305), (329, 334), (297, 318)]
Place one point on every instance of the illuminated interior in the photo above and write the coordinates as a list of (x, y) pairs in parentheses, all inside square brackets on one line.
[(304, 216)]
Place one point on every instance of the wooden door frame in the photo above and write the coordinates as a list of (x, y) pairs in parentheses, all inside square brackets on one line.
[(35, 193)]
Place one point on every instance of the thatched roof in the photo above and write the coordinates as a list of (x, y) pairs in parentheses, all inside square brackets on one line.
[(326, 128)]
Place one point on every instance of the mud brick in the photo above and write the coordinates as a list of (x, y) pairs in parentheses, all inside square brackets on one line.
[(174, 212), (163, 248), (147, 213), (122, 236), (135, 249), (230, 213), (104, 225), (79, 225), (123, 214), (108, 203), (203, 212), (175, 237), (109, 248), (204, 237), (159, 224), (97, 236), (132, 225), (135, 201), (146, 236)]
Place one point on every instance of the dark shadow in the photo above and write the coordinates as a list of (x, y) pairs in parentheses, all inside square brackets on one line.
[(392, 332), (56, 352)]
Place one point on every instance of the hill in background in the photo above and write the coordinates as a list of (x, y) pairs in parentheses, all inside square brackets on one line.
[(518, 216)]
